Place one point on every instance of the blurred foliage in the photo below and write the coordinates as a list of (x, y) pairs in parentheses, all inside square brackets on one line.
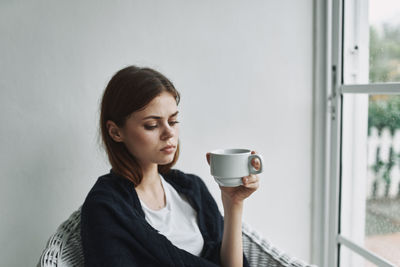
[(384, 53), (384, 113), (384, 66)]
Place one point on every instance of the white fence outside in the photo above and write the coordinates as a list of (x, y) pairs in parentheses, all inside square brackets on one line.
[(379, 147)]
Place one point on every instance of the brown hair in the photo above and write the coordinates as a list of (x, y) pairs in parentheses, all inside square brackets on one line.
[(130, 90)]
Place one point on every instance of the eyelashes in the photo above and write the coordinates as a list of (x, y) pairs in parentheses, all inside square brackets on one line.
[(172, 123), (152, 127)]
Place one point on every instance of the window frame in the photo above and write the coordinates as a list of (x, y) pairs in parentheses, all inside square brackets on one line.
[(329, 88)]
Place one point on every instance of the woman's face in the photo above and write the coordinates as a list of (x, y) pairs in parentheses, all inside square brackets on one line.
[(151, 135)]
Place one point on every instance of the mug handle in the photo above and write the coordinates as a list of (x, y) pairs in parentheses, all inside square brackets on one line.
[(251, 168)]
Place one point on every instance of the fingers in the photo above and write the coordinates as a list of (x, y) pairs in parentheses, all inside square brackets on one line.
[(208, 157), (251, 181), (255, 162)]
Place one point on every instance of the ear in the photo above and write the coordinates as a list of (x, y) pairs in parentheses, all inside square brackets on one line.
[(114, 131)]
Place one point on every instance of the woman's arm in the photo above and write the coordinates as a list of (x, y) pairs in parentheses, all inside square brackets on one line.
[(232, 198), (231, 248)]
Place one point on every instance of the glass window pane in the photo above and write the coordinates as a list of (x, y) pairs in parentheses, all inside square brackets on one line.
[(384, 41), (370, 183), (371, 50), (348, 258)]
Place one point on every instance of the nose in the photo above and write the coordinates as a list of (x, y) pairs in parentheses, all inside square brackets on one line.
[(168, 132)]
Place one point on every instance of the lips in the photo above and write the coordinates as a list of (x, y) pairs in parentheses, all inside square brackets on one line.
[(168, 147)]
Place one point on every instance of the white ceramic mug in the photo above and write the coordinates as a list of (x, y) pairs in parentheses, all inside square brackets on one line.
[(229, 166)]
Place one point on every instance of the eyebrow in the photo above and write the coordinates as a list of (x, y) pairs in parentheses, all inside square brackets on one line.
[(158, 117)]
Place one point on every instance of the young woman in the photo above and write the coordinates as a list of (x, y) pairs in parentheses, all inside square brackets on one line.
[(143, 213)]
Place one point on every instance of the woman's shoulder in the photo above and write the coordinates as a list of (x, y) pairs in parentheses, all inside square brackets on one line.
[(109, 189), (111, 202)]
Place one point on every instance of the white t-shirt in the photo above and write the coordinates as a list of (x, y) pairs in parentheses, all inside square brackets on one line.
[(177, 220)]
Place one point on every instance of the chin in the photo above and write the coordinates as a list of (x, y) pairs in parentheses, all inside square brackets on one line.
[(166, 160)]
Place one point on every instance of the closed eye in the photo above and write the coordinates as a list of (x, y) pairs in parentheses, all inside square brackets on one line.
[(152, 127)]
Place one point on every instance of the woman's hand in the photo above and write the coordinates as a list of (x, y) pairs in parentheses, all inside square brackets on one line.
[(236, 195)]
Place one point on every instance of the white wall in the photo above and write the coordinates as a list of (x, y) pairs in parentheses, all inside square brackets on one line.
[(244, 70)]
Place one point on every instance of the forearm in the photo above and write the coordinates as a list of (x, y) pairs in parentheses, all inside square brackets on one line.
[(231, 248)]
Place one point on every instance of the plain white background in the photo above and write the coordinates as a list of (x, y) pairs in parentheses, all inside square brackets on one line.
[(244, 70)]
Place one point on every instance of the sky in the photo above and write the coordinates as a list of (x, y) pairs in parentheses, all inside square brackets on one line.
[(381, 11)]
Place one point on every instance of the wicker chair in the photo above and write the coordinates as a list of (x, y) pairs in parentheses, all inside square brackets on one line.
[(64, 248)]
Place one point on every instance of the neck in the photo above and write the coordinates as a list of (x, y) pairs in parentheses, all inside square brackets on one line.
[(150, 189), (151, 178)]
